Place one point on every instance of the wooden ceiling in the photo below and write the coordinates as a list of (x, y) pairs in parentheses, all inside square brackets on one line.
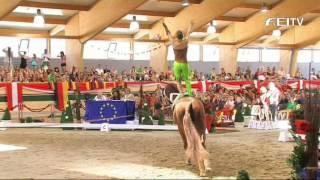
[(239, 22)]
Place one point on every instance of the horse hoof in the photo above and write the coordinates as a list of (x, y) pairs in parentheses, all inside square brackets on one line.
[(208, 169), (188, 162), (202, 174)]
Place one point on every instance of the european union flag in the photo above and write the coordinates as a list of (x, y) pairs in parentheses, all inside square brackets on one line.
[(113, 112)]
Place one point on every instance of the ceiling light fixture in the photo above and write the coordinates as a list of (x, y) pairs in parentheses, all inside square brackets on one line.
[(185, 3), (134, 25), (211, 28), (264, 8), (276, 33), (38, 19)]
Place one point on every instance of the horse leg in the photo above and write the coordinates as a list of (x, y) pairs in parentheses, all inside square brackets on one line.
[(202, 168), (207, 165), (182, 134)]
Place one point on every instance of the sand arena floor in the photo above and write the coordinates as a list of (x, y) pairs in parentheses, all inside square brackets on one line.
[(53, 153)]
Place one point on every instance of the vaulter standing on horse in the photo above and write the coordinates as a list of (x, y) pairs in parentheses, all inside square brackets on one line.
[(180, 47)]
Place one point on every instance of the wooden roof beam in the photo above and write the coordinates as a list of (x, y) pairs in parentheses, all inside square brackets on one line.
[(179, 1), (232, 19), (7, 7), (201, 14), (54, 5), (88, 24), (254, 27), (302, 36), (153, 13)]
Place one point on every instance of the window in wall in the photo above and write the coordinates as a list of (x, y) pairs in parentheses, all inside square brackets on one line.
[(304, 56), (170, 56), (142, 50), (248, 55), (57, 45), (193, 52), (316, 55), (119, 50), (37, 46), (11, 42), (210, 53), (270, 55)]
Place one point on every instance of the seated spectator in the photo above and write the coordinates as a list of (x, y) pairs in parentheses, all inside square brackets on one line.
[(100, 97), (128, 95), (116, 95)]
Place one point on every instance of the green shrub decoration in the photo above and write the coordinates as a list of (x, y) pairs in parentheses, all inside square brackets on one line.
[(243, 175), (298, 158), (6, 115), (146, 116), (247, 111), (67, 116), (29, 120), (161, 119)]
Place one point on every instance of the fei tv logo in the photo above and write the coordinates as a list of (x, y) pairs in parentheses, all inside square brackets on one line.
[(284, 22)]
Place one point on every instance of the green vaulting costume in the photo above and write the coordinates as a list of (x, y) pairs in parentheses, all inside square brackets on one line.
[(182, 72)]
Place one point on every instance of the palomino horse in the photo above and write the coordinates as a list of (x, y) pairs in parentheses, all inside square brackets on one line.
[(189, 115)]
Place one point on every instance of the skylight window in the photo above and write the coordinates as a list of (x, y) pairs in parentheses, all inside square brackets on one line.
[(129, 17), (31, 10), (10, 24)]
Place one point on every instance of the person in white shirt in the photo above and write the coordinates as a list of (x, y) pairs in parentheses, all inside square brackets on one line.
[(100, 97), (128, 95), (273, 95), (264, 99), (99, 70), (45, 60), (281, 73)]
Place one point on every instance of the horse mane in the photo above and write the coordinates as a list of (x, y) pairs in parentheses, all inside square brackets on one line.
[(195, 150)]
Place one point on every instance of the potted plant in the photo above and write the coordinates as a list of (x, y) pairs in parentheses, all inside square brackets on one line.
[(298, 158), (146, 118), (297, 116)]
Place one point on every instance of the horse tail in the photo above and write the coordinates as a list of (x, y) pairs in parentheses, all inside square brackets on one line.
[(195, 150)]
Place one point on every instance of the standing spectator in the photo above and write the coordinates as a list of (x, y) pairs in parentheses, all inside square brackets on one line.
[(273, 95), (213, 74), (222, 73), (8, 58), (23, 60), (106, 69), (248, 73), (45, 60), (140, 74), (99, 70), (34, 62), (313, 75), (63, 61), (238, 74), (281, 73), (298, 74)]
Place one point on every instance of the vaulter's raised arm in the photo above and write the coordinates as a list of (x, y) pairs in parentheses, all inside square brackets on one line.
[(189, 31), (167, 31)]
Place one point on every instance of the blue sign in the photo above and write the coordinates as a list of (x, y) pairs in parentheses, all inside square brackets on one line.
[(113, 112)]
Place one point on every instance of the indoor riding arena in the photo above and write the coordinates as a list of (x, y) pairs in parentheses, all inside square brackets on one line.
[(159, 89)]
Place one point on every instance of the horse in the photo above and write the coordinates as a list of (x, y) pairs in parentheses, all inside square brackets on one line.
[(189, 115)]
